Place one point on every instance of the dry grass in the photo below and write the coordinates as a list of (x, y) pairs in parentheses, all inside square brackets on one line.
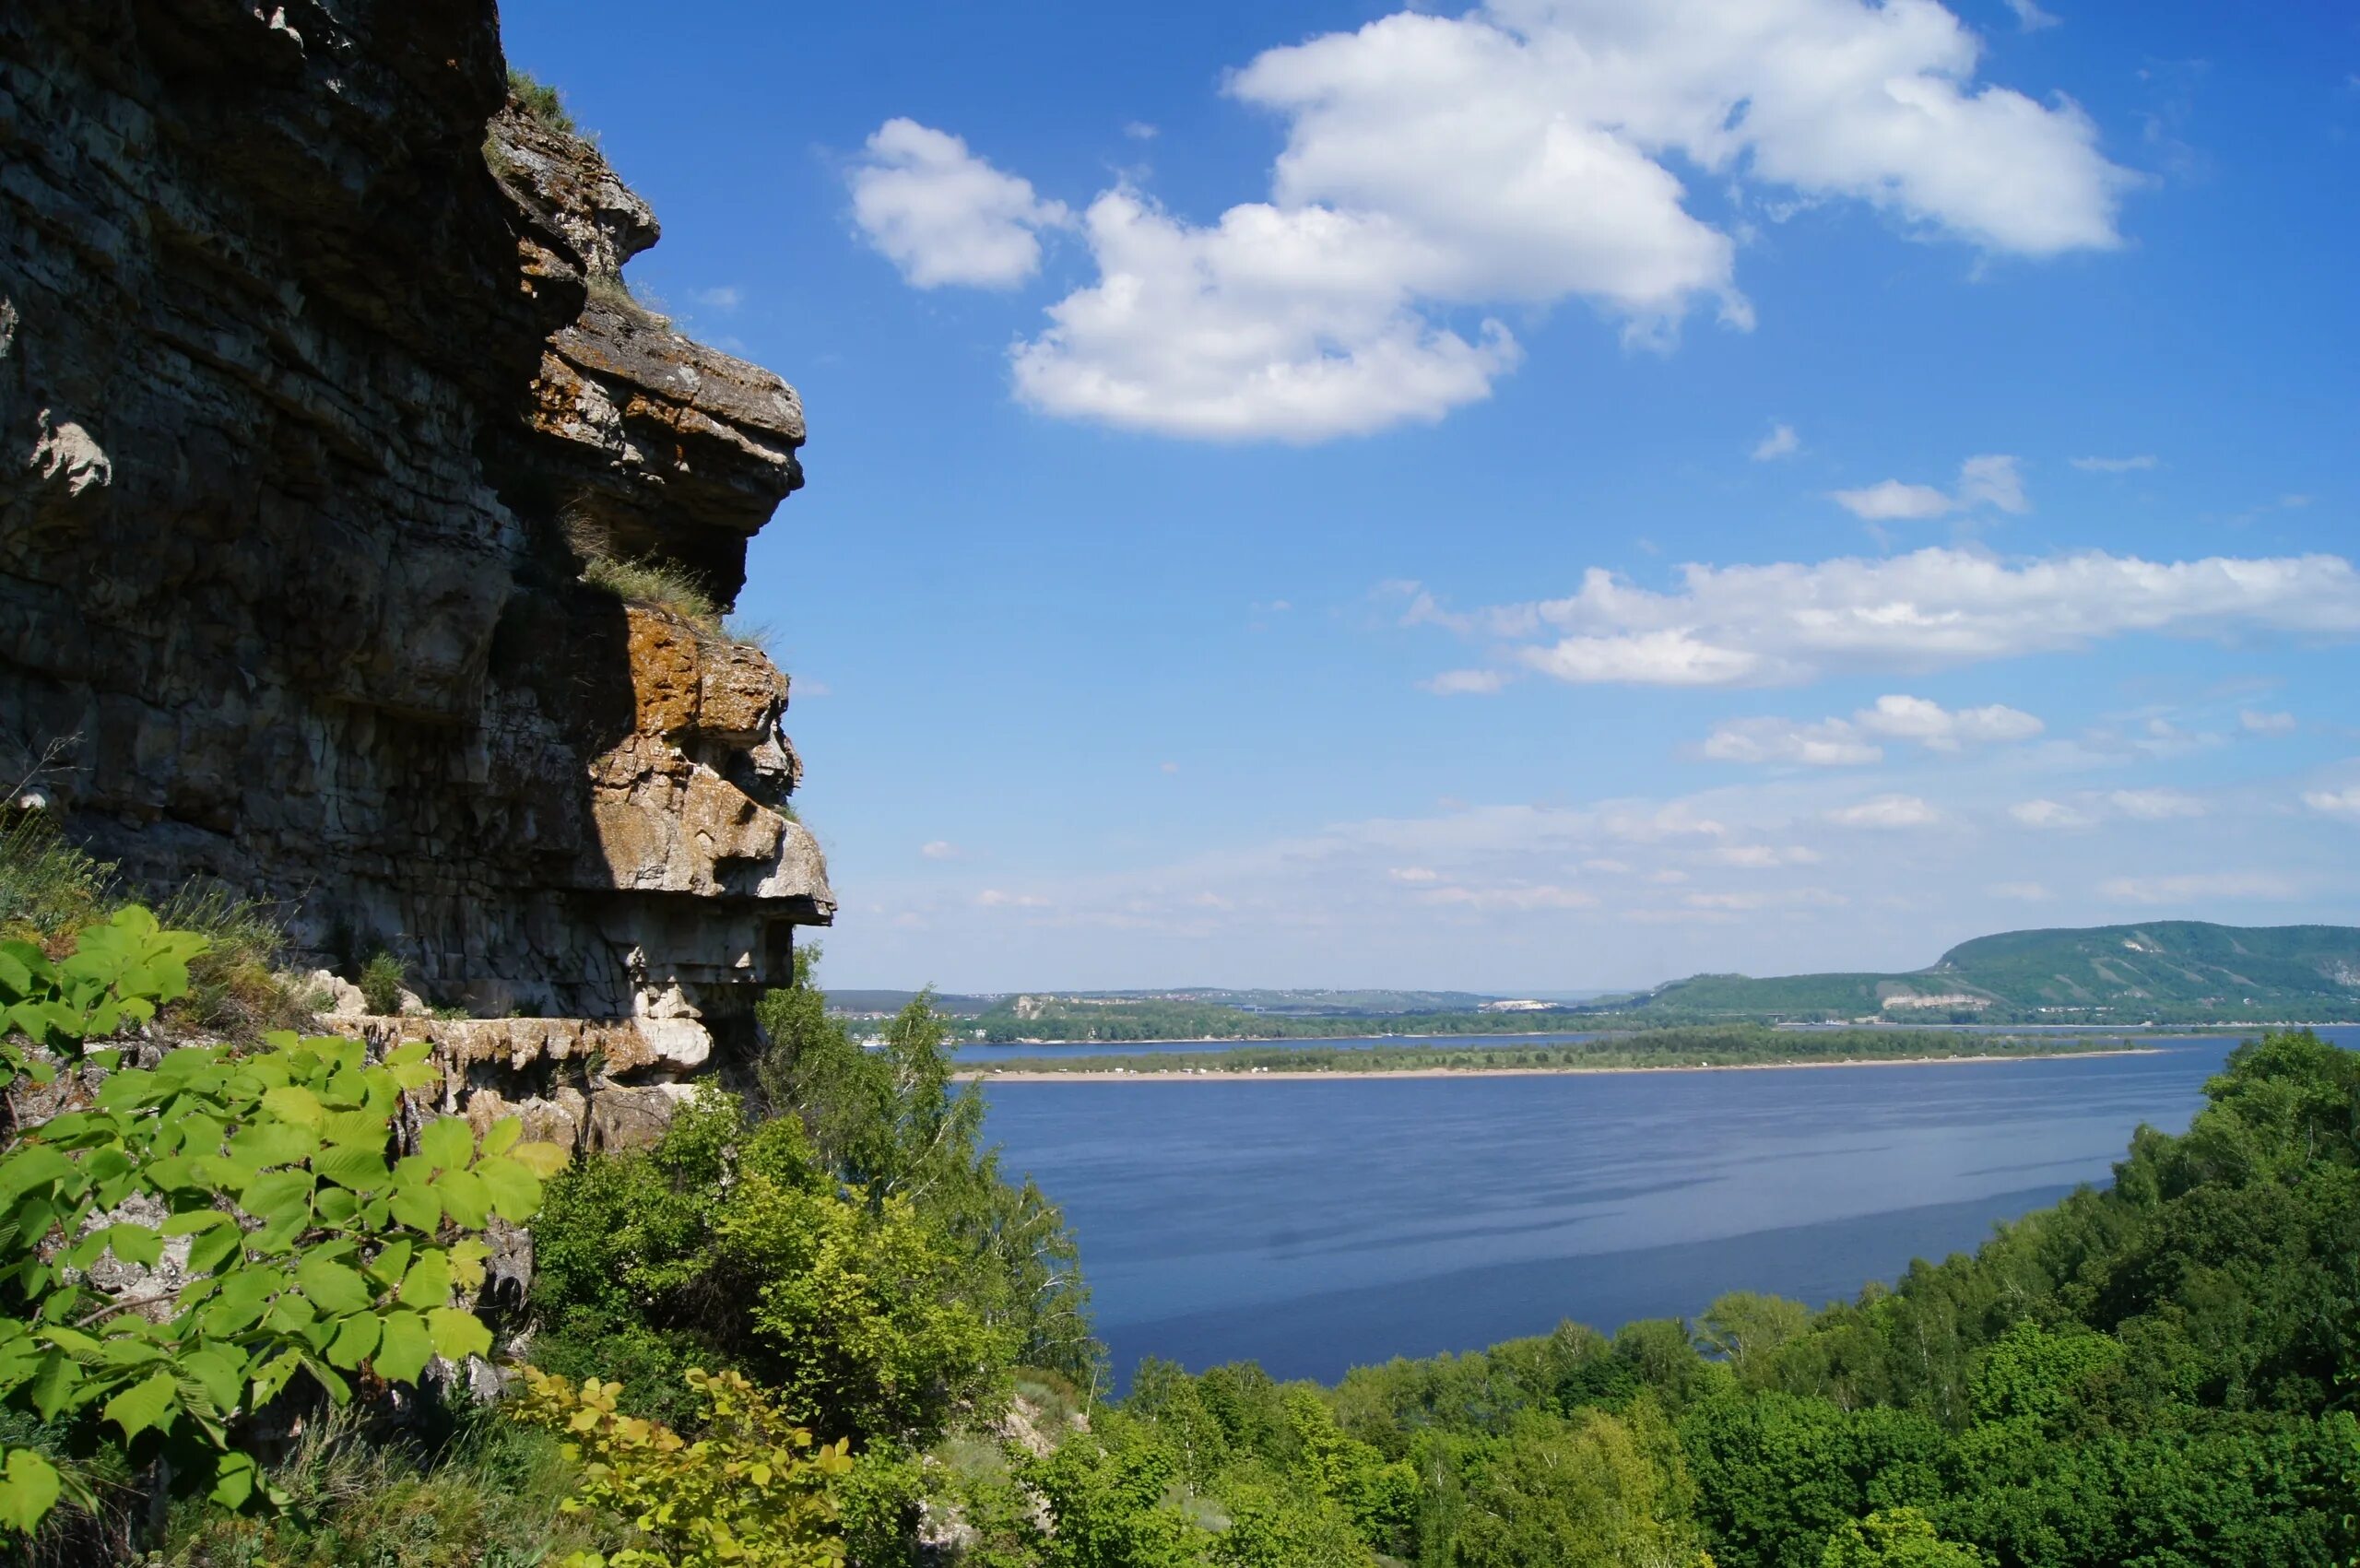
[(657, 585), (490, 1497), (610, 290)]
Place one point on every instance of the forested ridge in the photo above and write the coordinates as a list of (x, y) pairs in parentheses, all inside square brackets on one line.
[(816, 1324)]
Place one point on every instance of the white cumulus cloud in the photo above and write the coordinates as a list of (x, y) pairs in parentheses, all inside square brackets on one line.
[(1989, 480), (1929, 609), (944, 216), (1521, 154)]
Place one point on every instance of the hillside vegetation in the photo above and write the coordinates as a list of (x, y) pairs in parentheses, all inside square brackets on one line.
[(2167, 971), (814, 1325)]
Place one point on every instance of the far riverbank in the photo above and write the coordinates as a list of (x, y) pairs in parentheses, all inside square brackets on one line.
[(1279, 1075)]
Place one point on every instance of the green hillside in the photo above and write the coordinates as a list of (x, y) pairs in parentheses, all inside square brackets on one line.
[(2168, 971)]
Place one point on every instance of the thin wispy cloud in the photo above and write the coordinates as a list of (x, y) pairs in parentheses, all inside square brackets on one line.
[(1781, 442), (1846, 742), (2137, 464), (1929, 610)]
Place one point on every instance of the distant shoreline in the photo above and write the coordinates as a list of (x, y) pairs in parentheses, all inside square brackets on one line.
[(1229, 1075), (1312, 1041)]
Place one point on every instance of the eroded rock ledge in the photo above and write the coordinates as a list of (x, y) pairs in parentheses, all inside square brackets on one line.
[(315, 370)]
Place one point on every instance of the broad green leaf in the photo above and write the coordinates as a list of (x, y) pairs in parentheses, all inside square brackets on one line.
[(447, 1144), (274, 1143), (221, 1376), (465, 1198), (502, 1136), (28, 1486), (428, 1284), (544, 1160), (357, 1129), (457, 1334), (53, 1386), (135, 1243), (391, 1262), (145, 1403), (293, 1103), (271, 1376), (515, 1192), (356, 1340), (417, 1207), (336, 1205), (189, 1221), (403, 1348), (31, 1166), (332, 1288), (359, 1168), (233, 1478), (277, 1195), (214, 1249)]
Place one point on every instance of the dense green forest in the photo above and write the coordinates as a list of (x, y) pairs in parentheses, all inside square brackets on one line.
[(816, 1324), (1722, 1044)]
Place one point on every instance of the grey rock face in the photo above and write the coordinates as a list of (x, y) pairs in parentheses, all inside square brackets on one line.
[(300, 386)]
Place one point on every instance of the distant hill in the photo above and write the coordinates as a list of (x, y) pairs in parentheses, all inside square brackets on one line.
[(2168, 970)]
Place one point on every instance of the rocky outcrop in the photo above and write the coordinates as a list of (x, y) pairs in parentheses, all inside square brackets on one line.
[(317, 376)]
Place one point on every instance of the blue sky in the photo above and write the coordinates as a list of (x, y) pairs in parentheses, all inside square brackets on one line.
[(1564, 494)]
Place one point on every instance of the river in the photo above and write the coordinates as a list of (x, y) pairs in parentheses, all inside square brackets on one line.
[(1313, 1226)]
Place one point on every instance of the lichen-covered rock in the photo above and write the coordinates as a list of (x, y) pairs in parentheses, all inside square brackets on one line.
[(305, 402)]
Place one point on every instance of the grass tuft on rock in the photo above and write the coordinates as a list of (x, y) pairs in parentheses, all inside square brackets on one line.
[(657, 585), (543, 103)]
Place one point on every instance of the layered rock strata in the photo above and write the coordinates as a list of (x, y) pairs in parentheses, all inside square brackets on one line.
[(316, 379)]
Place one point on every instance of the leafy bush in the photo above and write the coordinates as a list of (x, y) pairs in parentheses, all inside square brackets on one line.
[(307, 1253), (728, 1241), (1896, 1537), (751, 1490), (381, 984)]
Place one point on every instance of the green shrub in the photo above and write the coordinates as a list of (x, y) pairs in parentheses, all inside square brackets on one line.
[(751, 1490), (728, 1242), (310, 1256), (543, 103), (381, 984)]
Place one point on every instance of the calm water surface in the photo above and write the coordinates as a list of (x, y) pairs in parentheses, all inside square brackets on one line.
[(1313, 1226)]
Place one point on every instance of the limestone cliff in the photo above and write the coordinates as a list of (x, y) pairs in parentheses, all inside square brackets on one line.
[(316, 373)]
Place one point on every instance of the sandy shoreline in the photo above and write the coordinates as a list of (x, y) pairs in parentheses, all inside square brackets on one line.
[(1232, 1075)]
